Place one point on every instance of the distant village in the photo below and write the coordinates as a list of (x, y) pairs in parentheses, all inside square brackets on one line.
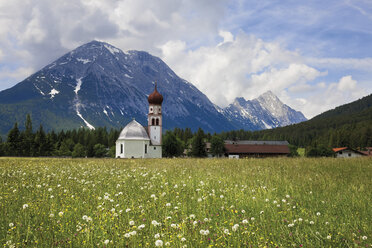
[(137, 141)]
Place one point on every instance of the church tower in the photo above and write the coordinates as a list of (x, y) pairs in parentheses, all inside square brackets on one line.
[(155, 118)]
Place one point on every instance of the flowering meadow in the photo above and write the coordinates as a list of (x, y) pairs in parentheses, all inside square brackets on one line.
[(279, 202)]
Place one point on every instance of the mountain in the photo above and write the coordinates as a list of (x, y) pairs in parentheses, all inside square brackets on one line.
[(347, 125), (264, 112), (99, 85)]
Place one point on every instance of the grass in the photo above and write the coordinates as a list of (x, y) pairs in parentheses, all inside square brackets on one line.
[(185, 202)]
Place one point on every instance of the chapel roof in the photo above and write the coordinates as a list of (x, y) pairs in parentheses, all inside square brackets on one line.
[(133, 131)]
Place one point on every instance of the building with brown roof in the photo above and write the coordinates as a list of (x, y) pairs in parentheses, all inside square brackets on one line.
[(256, 149)]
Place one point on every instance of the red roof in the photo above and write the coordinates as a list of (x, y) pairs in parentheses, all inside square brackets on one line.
[(339, 149), (256, 149)]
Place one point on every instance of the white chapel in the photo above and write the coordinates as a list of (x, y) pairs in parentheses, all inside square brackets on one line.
[(137, 142)]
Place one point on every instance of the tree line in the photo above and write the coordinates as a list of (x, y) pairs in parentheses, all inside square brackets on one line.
[(99, 142), (318, 137), (76, 143)]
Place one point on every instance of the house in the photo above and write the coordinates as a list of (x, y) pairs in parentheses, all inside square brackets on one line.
[(257, 149), (368, 151), (135, 141), (346, 152)]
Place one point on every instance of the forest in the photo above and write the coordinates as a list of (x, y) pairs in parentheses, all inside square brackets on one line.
[(349, 125)]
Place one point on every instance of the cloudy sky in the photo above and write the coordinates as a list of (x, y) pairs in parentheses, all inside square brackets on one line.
[(315, 55)]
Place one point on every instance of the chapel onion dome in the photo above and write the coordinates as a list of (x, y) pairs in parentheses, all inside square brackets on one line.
[(155, 97)]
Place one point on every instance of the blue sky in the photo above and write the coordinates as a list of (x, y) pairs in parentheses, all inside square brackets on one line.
[(315, 55)]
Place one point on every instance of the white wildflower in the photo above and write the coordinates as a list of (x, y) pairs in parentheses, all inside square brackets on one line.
[(235, 227), (158, 243), (25, 206), (140, 227)]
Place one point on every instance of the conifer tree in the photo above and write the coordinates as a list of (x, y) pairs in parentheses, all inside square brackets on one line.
[(217, 146), (198, 145), (13, 141), (40, 143)]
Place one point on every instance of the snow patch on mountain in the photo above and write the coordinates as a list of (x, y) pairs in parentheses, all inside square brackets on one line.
[(112, 49), (39, 90), (53, 92), (85, 121), (84, 61), (78, 86)]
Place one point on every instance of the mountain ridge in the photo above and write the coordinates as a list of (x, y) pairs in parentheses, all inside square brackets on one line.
[(263, 112), (97, 84)]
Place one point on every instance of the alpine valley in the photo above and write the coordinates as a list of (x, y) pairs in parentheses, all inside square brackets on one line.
[(97, 84)]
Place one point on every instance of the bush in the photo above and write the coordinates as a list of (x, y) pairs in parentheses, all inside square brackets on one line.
[(79, 151)]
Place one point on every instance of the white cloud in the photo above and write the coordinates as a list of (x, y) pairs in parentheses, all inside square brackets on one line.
[(346, 83), (364, 64), (226, 35), (242, 66), (321, 99), (193, 39)]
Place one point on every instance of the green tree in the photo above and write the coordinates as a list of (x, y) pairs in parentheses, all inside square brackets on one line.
[(319, 151), (112, 152), (99, 150), (293, 151), (2, 152), (198, 145), (79, 151), (217, 146), (172, 146), (13, 141), (66, 147), (39, 147), (27, 137)]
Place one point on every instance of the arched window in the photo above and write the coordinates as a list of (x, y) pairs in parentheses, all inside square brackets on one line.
[(157, 121), (153, 121), (121, 148)]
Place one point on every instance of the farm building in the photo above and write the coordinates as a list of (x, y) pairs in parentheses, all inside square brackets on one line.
[(346, 152), (258, 149), (368, 151), (137, 142)]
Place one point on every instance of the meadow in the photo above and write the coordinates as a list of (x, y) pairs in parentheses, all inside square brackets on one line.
[(280, 202)]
